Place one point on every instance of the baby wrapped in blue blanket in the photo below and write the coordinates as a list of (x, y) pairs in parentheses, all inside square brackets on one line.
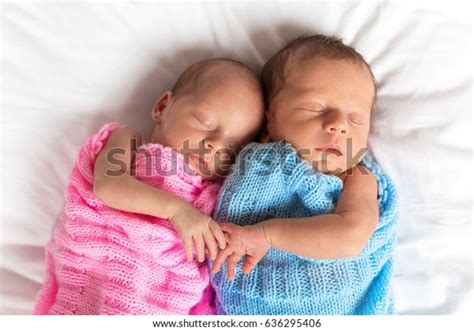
[(309, 216), (277, 183)]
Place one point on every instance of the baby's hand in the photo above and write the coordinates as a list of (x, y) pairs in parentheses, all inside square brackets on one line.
[(248, 241), (193, 225)]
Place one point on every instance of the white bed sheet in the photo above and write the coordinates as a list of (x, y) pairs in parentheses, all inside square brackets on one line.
[(68, 68)]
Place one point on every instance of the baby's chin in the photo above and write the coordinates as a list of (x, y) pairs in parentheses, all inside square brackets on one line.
[(205, 174), (330, 166), (332, 163)]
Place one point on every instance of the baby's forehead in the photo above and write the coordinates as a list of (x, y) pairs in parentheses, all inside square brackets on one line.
[(327, 86), (214, 74), (223, 75), (220, 89), (329, 73), (310, 64)]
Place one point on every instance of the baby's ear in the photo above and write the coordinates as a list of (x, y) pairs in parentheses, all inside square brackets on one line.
[(161, 105)]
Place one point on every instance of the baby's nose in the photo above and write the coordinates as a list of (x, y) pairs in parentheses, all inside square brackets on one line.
[(336, 124), (337, 128), (209, 150), (214, 146)]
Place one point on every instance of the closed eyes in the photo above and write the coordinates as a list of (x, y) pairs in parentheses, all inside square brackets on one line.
[(317, 108), (320, 109), (206, 123), (353, 118), (356, 120)]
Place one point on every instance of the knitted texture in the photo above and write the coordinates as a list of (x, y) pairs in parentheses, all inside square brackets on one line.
[(271, 181), (104, 261)]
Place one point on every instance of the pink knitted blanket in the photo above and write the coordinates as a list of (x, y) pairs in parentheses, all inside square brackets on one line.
[(104, 261)]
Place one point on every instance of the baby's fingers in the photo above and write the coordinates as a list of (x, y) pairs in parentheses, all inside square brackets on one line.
[(218, 234), (228, 227), (188, 247), (211, 245), (199, 242), (221, 257), (231, 264), (249, 264)]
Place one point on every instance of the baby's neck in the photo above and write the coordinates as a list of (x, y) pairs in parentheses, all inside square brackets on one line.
[(155, 137)]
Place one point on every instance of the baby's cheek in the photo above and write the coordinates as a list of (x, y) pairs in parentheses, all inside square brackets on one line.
[(282, 129), (174, 139)]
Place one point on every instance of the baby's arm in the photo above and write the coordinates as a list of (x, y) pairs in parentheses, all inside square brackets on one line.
[(124, 192), (341, 234)]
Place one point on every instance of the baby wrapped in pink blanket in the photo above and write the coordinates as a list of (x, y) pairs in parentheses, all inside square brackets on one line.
[(110, 260), (105, 261)]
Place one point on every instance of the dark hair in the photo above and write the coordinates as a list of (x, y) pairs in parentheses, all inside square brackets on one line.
[(189, 80), (276, 69)]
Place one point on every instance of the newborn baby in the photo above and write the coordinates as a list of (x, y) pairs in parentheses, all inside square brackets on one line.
[(136, 207), (311, 212)]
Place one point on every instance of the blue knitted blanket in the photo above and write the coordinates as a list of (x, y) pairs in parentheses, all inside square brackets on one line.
[(271, 181)]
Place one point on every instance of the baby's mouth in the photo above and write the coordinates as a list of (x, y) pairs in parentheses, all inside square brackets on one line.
[(330, 149), (197, 163)]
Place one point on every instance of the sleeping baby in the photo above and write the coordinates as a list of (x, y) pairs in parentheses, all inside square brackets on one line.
[(137, 209), (308, 215)]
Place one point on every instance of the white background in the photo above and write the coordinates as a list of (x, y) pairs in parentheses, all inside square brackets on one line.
[(67, 68)]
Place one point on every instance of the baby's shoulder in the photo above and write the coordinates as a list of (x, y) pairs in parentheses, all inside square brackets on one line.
[(127, 135)]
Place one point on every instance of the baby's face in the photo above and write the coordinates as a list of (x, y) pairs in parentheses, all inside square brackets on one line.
[(210, 125), (323, 110)]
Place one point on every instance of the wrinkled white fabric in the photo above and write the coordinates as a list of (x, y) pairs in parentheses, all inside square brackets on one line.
[(68, 68)]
